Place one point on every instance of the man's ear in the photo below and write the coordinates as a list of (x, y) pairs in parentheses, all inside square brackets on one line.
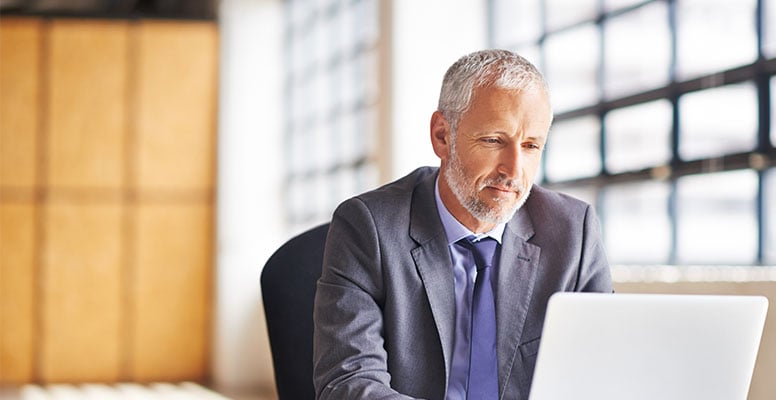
[(440, 135)]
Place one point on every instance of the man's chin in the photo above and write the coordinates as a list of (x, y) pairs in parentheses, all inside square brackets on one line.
[(496, 215), (506, 212), (505, 206)]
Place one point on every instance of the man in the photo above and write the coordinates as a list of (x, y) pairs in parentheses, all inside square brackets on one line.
[(408, 304)]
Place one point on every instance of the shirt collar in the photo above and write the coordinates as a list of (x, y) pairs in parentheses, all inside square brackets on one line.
[(455, 230)]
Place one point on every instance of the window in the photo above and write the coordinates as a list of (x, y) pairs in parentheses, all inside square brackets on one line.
[(637, 52), (716, 218), (612, 5), (714, 35), (525, 16), (638, 136), (636, 222), (773, 112), (571, 65), (718, 121), (769, 217), (663, 120), (561, 13), (574, 145), (332, 91), (768, 16)]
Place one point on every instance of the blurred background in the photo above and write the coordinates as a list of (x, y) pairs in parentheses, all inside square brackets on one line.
[(153, 155)]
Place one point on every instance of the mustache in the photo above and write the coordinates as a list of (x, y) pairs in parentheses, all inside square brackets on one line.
[(503, 182)]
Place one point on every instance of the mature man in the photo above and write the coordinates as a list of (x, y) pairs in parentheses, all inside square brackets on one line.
[(435, 286)]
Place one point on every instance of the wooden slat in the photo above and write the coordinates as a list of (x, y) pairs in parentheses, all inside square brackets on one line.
[(17, 292), (87, 103), (171, 291), (19, 99), (176, 106), (81, 293)]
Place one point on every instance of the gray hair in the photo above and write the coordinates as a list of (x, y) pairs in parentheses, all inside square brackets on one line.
[(500, 68)]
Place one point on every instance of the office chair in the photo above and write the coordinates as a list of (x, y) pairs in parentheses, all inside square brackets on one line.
[(288, 290)]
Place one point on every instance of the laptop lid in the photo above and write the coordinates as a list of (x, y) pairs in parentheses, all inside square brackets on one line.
[(646, 346)]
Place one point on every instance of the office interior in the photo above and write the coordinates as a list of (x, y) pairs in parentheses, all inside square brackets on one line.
[(154, 154)]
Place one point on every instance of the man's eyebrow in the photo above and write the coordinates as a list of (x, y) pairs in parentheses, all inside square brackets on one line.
[(538, 138)]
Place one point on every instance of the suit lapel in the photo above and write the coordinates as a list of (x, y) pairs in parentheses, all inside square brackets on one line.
[(432, 259), (518, 266)]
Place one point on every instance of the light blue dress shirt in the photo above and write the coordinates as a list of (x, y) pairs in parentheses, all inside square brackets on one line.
[(465, 274)]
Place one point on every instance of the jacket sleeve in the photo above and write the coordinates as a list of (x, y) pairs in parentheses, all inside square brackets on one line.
[(349, 359)]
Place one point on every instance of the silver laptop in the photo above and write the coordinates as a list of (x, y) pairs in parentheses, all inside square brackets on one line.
[(647, 346)]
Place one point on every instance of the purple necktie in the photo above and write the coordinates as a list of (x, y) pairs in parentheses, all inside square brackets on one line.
[(483, 363)]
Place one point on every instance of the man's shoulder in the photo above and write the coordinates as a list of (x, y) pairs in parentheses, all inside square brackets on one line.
[(554, 201), (400, 190), (556, 216), (390, 207)]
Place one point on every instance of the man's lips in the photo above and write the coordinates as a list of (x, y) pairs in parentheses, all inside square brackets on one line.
[(505, 190)]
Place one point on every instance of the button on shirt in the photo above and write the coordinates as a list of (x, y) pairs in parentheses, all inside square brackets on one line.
[(464, 274)]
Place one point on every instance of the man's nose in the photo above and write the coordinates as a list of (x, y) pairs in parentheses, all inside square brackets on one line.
[(511, 162)]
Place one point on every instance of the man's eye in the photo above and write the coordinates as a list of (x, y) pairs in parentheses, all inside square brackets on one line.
[(491, 140), (532, 146)]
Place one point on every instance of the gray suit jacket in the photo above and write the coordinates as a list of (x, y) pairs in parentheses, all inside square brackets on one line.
[(384, 306)]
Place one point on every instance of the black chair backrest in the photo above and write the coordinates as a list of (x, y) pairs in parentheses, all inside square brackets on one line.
[(288, 290)]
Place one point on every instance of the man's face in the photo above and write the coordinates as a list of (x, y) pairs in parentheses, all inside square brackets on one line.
[(488, 170)]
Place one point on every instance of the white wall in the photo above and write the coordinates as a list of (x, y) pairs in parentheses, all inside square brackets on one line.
[(249, 217)]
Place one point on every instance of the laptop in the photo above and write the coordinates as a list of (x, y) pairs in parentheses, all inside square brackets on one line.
[(647, 346)]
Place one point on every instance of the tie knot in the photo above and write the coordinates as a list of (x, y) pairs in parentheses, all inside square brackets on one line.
[(483, 250)]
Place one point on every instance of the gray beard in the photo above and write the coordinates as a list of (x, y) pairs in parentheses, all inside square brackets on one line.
[(456, 179)]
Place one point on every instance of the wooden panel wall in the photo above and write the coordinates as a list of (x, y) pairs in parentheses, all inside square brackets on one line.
[(80, 275), (20, 68), (107, 181), (173, 175)]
